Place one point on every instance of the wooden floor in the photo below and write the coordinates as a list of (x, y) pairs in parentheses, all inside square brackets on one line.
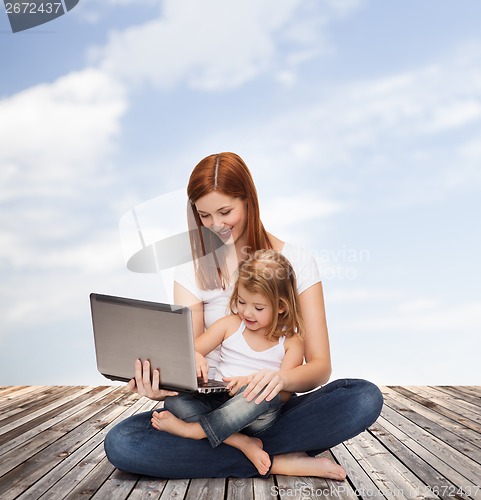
[(426, 444)]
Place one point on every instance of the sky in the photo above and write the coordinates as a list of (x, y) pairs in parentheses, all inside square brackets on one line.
[(360, 121)]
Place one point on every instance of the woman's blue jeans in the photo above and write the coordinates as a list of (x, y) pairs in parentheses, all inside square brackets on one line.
[(221, 415), (312, 422)]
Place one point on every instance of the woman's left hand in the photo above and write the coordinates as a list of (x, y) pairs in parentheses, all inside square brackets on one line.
[(262, 385)]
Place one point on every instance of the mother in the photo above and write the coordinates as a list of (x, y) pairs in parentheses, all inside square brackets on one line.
[(223, 198)]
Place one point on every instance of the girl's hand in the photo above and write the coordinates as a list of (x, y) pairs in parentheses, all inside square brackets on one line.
[(142, 384), (235, 383), (202, 366), (262, 385)]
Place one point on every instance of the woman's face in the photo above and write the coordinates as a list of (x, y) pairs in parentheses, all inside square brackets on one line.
[(223, 214)]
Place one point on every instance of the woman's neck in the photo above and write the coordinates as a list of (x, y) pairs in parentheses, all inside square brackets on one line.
[(241, 246)]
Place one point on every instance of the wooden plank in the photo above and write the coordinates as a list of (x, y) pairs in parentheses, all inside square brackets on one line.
[(474, 389), (393, 478), (460, 393), (456, 435), (240, 489), (304, 487), (465, 404), (16, 396), (338, 489), (85, 489), (6, 390), (36, 404), (263, 488), (363, 485), (148, 488), (462, 465), (447, 475), (422, 445), (54, 485), (442, 407), (461, 411), (39, 441), (73, 472), (94, 396), (50, 407), (206, 489), (26, 474), (118, 486), (373, 466), (424, 470), (175, 489)]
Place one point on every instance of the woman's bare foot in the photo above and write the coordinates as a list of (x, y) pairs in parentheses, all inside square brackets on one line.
[(300, 464), (168, 422), (252, 449)]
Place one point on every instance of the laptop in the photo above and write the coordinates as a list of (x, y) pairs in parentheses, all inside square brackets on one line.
[(129, 329)]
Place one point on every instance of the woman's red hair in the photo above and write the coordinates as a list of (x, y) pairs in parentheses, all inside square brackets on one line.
[(228, 174)]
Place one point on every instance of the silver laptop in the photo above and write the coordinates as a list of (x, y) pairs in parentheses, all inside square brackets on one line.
[(129, 329)]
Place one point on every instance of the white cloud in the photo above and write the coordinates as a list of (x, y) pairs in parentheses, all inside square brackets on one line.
[(429, 318), (53, 160), (57, 139), (347, 294), (93, 11), (213, 44), (55, 135), (401, 139), (298, 209)]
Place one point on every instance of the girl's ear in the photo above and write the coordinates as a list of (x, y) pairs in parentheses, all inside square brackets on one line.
[(281, 308)]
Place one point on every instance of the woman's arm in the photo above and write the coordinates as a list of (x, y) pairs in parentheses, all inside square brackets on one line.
[(182, 297), (294, 353), (293, 357), (317, 369)]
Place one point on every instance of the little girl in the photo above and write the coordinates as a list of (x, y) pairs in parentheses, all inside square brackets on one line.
[(263, 333)]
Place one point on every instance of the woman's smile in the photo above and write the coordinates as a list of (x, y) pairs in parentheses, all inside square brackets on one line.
[(225, 215)]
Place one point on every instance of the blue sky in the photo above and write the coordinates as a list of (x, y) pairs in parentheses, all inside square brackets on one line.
[(360, 121)]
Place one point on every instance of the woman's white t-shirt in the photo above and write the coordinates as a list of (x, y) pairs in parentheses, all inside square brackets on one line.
[(216, 302)]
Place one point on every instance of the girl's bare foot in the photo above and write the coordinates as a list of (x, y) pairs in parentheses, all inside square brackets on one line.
[(252, 449), (168, 422), (300, 464)]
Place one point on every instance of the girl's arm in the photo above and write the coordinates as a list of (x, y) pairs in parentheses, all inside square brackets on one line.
[(213, 336), (207, 342), (317, 369)]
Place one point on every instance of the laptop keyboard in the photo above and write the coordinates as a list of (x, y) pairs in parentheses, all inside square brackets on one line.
[(213, 385)]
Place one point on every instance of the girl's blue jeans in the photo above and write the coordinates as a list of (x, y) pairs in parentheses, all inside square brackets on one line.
[(221, 415), (312, 422)]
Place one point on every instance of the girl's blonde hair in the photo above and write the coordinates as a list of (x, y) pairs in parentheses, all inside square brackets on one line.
[(269, 273), (225, 173)]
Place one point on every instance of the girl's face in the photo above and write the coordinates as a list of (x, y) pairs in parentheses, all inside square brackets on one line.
[(255, 310), (223, 214)]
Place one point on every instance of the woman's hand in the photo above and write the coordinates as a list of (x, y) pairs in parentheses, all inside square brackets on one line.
[(202, 367), (262, 385), (142, 384), (235, 383)]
